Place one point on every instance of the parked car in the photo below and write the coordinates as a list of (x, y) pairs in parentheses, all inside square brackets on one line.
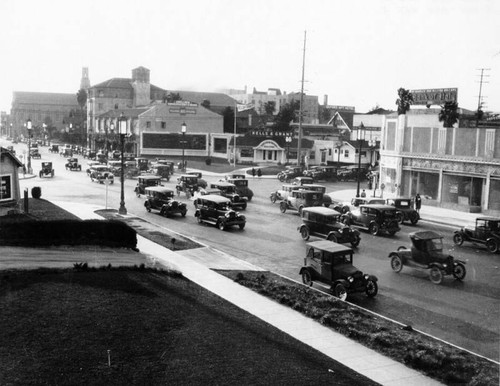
[(241, 184), (289, 173), (228, 190), (282, 193), (101, 173), (325, 223), (90, 154), (72, 164), (115, 167), (327, 200), (332, 264), (486, 231), (300, 199), (350, 173), (188, 184), (47, 170), (375, 218), (426, 253), (144, 182), (405, 209), (162, 199), (54, 149), (216, 210), (328, 173)]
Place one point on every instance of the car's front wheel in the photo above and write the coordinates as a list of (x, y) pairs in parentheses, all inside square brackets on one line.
[(374, 229), (304, 233), (371, 288), (492, 245), (458, 239), (356, 240), (459, 271), (414, 218), (283, 207), (396, 263), (436, 275), (306, 278), (222, 225), (332, 238), (340, 291)]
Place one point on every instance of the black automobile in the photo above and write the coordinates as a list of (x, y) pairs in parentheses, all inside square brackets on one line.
[(325, 223), (101, 174), (47, 170), (300, 199), (486, 231), (332, 264), (289, 173), (328, 173), (405, 209), (228, 190), (34, 153), (327, 200), (188, 184), (144, 182), (54, 149), (426, 253), (302, 180), (162, 199), (216, 210), (375, 218), (72, 164), (241, 184)]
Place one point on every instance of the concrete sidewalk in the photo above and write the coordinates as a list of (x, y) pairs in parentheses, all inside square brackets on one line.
[(198, 267)]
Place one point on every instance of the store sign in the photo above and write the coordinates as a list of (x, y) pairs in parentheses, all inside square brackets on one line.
[(434, 96), (269, 133)]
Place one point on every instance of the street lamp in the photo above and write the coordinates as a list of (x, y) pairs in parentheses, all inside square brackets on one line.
[(122, 128), (361, 135), (183, 130), (288, 140), (29, 127)]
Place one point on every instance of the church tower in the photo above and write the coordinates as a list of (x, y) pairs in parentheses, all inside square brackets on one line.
[(142, 87), (85, 82)]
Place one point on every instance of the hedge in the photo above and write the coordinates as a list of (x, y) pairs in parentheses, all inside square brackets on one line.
[(110, 233)]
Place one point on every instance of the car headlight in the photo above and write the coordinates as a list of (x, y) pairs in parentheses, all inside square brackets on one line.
[(444, 265), (367, 277), (350, 279)]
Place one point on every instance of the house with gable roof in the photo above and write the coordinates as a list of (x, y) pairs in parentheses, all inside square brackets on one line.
[(9, 181)]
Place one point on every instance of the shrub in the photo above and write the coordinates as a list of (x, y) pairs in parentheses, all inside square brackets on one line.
[(208, 161), (36, 192)]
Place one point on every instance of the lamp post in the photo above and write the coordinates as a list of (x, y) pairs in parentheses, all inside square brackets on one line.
[(360, 141), (288, 140), (122, 128), (29, 127), (183, 130)]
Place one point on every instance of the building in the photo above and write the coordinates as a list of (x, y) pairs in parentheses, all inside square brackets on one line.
[(10, 192), (453, 167)]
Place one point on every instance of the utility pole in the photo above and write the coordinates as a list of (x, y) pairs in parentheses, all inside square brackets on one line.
[(480, 98), (299, 144)]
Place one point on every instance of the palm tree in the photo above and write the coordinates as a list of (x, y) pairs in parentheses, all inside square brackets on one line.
[(404, 101), (449, 114)]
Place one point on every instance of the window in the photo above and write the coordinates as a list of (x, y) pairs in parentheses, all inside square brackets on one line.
[(5, 188), (163, 125), (148, 125), (346, 153)]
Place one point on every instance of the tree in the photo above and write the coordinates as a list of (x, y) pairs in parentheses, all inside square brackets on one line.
[(449, 114), (286, 115), (228, 115), (206, 103), (404, 101), (171, 97), (325, 114), (270, 107)]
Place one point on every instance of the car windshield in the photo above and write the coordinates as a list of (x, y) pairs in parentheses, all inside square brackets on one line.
[(223, 206), (331, 219), (434, 244)]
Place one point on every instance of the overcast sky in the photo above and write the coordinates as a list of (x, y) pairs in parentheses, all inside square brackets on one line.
[(357, 52)]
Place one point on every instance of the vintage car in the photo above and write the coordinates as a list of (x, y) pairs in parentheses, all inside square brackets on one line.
[(142, 163), (170, 164), (34, 153), (332, 264), (101, 174), (322, 173), (486, 231), (327, 200), (204, 192), (241, 185), (289, 173), (201, 182), (300, 199), (115, 167), (302, 180), (228, 190), (46, 170), (54, 149), (162, 199), (144, 182), (216, 210), (66, 151), (101, 157), (325, 223), (90, 165), (405, 209), (375, 218), (161, 170), (282, 194), (188, 184), (89, 154), (72, 164), (426, 252), (350, 173)]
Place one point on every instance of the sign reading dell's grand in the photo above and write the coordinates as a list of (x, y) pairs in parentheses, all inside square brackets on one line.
[(174, 141), (434, 96)]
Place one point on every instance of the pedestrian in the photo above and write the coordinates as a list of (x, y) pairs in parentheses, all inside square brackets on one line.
[(259, 173), (253, 172), (363, 193), (418, 203)]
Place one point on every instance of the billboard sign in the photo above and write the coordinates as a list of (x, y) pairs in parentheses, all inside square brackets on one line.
[(434, 96)]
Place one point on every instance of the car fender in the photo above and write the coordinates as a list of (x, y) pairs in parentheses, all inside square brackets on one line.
[(403, 256), (197, 213), (459, 261), (344, 282), (309, 269), (301, 226), (337, 234), (372, 277)]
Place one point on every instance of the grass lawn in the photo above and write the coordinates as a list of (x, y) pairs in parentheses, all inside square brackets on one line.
[(58, 327)]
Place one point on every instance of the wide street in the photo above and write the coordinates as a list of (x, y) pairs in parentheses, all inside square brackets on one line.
[(463, 313)]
